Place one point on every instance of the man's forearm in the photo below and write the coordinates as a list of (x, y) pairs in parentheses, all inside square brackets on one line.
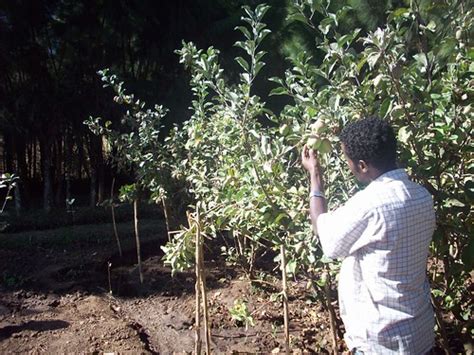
[(317, 205)]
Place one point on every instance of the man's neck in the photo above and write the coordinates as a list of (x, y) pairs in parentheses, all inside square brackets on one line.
[(374, 173)]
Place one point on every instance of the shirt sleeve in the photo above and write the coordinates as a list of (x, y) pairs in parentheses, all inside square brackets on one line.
[(339, 230)]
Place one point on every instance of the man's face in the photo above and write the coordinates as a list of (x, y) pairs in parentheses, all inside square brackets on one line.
[(359, 169)]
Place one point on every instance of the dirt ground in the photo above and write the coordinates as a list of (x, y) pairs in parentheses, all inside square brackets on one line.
[(57, 300)]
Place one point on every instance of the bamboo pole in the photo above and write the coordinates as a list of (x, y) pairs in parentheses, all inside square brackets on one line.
[(285, 299)]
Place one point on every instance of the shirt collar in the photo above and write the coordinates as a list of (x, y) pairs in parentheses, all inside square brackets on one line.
[(396, 174)]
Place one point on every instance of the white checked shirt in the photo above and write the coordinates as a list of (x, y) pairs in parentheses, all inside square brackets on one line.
[(383, 234)]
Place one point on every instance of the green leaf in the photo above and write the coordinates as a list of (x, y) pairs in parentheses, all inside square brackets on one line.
[(386, 107), (452, 202), (243, 63), (245, 31), (258, 67), (404, 134), (291, 267), (278, 91), (377, 79), (325, 260), (402, 11), (297, 17)]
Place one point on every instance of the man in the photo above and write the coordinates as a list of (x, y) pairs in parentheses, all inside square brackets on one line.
[(382, 234)]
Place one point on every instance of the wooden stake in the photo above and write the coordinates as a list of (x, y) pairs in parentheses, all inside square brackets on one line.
[(285, 299), (197, 341), (137, 238), (442, 329), (167, 221), (114, 223), (202, 270), (332, 313), (109, 265)]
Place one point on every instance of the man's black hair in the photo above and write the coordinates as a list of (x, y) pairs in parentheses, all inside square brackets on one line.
[(370, 139)]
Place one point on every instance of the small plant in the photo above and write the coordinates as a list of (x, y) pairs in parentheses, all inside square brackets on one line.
[(241, 314), (9, 182)]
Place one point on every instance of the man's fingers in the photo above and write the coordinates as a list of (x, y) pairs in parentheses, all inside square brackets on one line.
[(304, 152)]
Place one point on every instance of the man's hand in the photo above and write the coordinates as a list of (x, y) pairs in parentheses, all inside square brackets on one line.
[(310, 161), (317, 205)]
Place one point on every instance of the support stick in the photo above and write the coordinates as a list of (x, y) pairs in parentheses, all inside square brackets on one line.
[(285, 299), (442, 329), (167, 221), (332, 313), (109, 265), (114, 223), (207, 329), (197, 342), (137, 238)]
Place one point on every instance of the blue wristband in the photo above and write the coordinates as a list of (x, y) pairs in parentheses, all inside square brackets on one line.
[(316, 193)]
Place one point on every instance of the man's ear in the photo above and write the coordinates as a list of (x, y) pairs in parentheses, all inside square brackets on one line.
[(363, 167)]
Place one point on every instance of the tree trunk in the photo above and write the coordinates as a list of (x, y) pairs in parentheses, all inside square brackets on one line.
[(68, 162), (93, 188), (80, 157), (47, 182), (96, 170), (59, 173), (8, 153), (35, 161), (22, 174), (100, 170), (17, 197)]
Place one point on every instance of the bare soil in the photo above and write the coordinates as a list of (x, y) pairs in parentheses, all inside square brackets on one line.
[(57, 299)]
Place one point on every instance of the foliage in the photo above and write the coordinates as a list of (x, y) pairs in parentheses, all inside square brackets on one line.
[(135, 144), (240, 161), (50, 51), (245, 174), (9, 182), (241, 314), (416, 72)]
